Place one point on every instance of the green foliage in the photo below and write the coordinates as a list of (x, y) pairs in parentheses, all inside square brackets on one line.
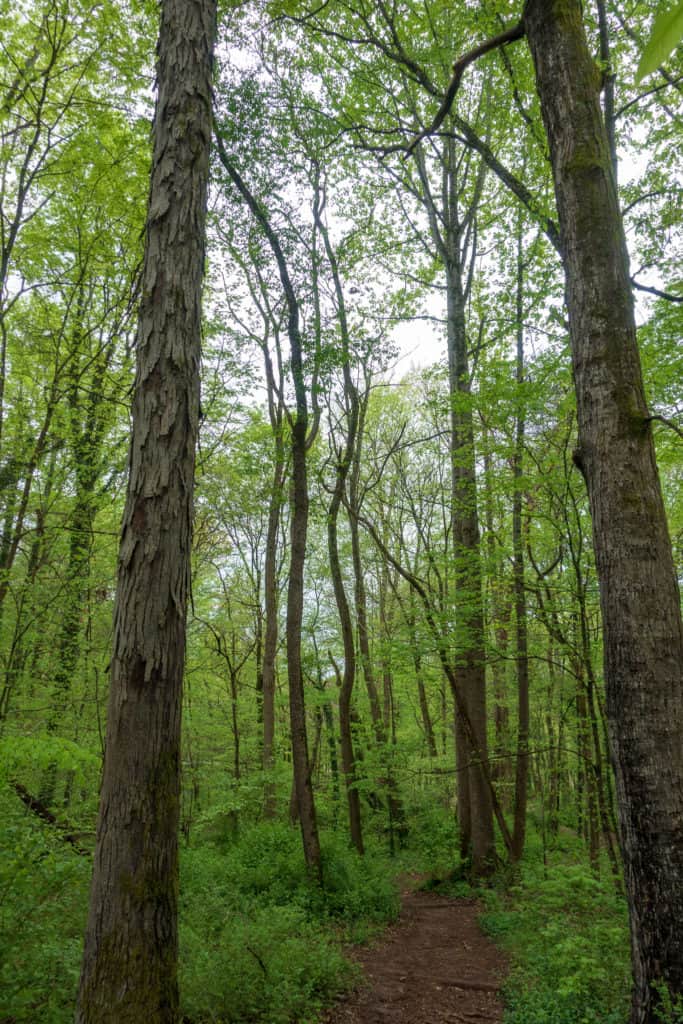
[(670, 1009), (567, 933), (19, 753), (258, 939), (267, 964), (433, 841), (265, 866), (666, 34), (43, 903)]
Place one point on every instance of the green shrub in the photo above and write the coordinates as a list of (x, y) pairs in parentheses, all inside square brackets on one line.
[(269, 964), (43, 903), (259, 941), (433, 837), (567, 933), (265, 866)]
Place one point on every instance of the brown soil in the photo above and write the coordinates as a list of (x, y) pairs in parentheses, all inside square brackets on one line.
[(433, 966)]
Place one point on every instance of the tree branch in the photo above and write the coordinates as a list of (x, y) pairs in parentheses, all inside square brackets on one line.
[(667, 423), (669, 296), (508, 36)]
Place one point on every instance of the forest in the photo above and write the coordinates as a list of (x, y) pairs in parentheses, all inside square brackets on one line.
[(341, 508)]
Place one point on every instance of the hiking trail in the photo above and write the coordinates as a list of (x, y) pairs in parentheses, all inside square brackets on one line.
[(434, 965)]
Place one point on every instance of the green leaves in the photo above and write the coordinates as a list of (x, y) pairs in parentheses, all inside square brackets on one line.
[(666, 34)]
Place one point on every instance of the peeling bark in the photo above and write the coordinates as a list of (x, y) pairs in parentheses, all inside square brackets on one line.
[(129, 971)]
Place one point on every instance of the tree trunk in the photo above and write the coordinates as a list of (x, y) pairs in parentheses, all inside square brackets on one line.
[(344, 461), (427, 726), (270, 639), (129, 971), (643, 636), (298, 529), (499, 616), (347, 677), (473, 795), (521, 655), (332, 754), (295, 604)]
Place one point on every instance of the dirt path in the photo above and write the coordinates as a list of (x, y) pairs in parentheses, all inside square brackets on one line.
[(434, 966)]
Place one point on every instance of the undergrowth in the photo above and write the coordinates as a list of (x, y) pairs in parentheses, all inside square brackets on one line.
[(43, 906), (567, 935), (258, 941)]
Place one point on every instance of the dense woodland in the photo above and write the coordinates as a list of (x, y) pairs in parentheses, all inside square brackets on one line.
[(420, 608)]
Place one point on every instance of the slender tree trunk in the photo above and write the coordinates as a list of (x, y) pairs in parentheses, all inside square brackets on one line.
[(643, 635), (332, 754), (590, 810), (362, 624), (234, 722), (344, 462), (521, 655), (303, 795), (348, 675), (129, 971), (421, 691), (499, 625), (303, 783), (471, 672), (270, 639), (394, 805)]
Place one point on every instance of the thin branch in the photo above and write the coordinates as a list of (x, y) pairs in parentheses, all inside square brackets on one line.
[(508, 36), (667, 423), (669, 296)]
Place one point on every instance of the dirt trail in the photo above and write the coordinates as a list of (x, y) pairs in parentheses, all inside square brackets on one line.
[(433, 966)]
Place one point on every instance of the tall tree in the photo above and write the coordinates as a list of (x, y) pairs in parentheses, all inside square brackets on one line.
[(303, 428), (643, 634), (129, 970)]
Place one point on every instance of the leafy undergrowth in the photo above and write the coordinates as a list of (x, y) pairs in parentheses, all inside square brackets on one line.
[(258, 941), (43, 905), (567, 936)]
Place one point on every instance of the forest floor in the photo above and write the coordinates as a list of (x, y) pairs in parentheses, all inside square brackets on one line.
[(433, 966)]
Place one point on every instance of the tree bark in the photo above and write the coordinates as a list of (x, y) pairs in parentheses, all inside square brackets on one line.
[(129, 971), (349, 673), (344, 460), (470, 613), (453, 235), (521, 654), (427, 725), (643, 636), (270, 640)]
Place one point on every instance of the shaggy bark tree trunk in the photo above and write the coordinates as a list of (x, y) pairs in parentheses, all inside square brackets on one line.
[(643, 637), (129, 971)]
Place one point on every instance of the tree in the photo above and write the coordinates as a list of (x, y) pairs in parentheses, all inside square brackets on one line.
[(303, 428), (130, 957), (643, 633)]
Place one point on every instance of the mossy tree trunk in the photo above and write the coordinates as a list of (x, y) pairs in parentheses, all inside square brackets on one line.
[(129, 971), (643, 637)]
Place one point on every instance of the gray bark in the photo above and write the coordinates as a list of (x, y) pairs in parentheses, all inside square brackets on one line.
[(643, 636)]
